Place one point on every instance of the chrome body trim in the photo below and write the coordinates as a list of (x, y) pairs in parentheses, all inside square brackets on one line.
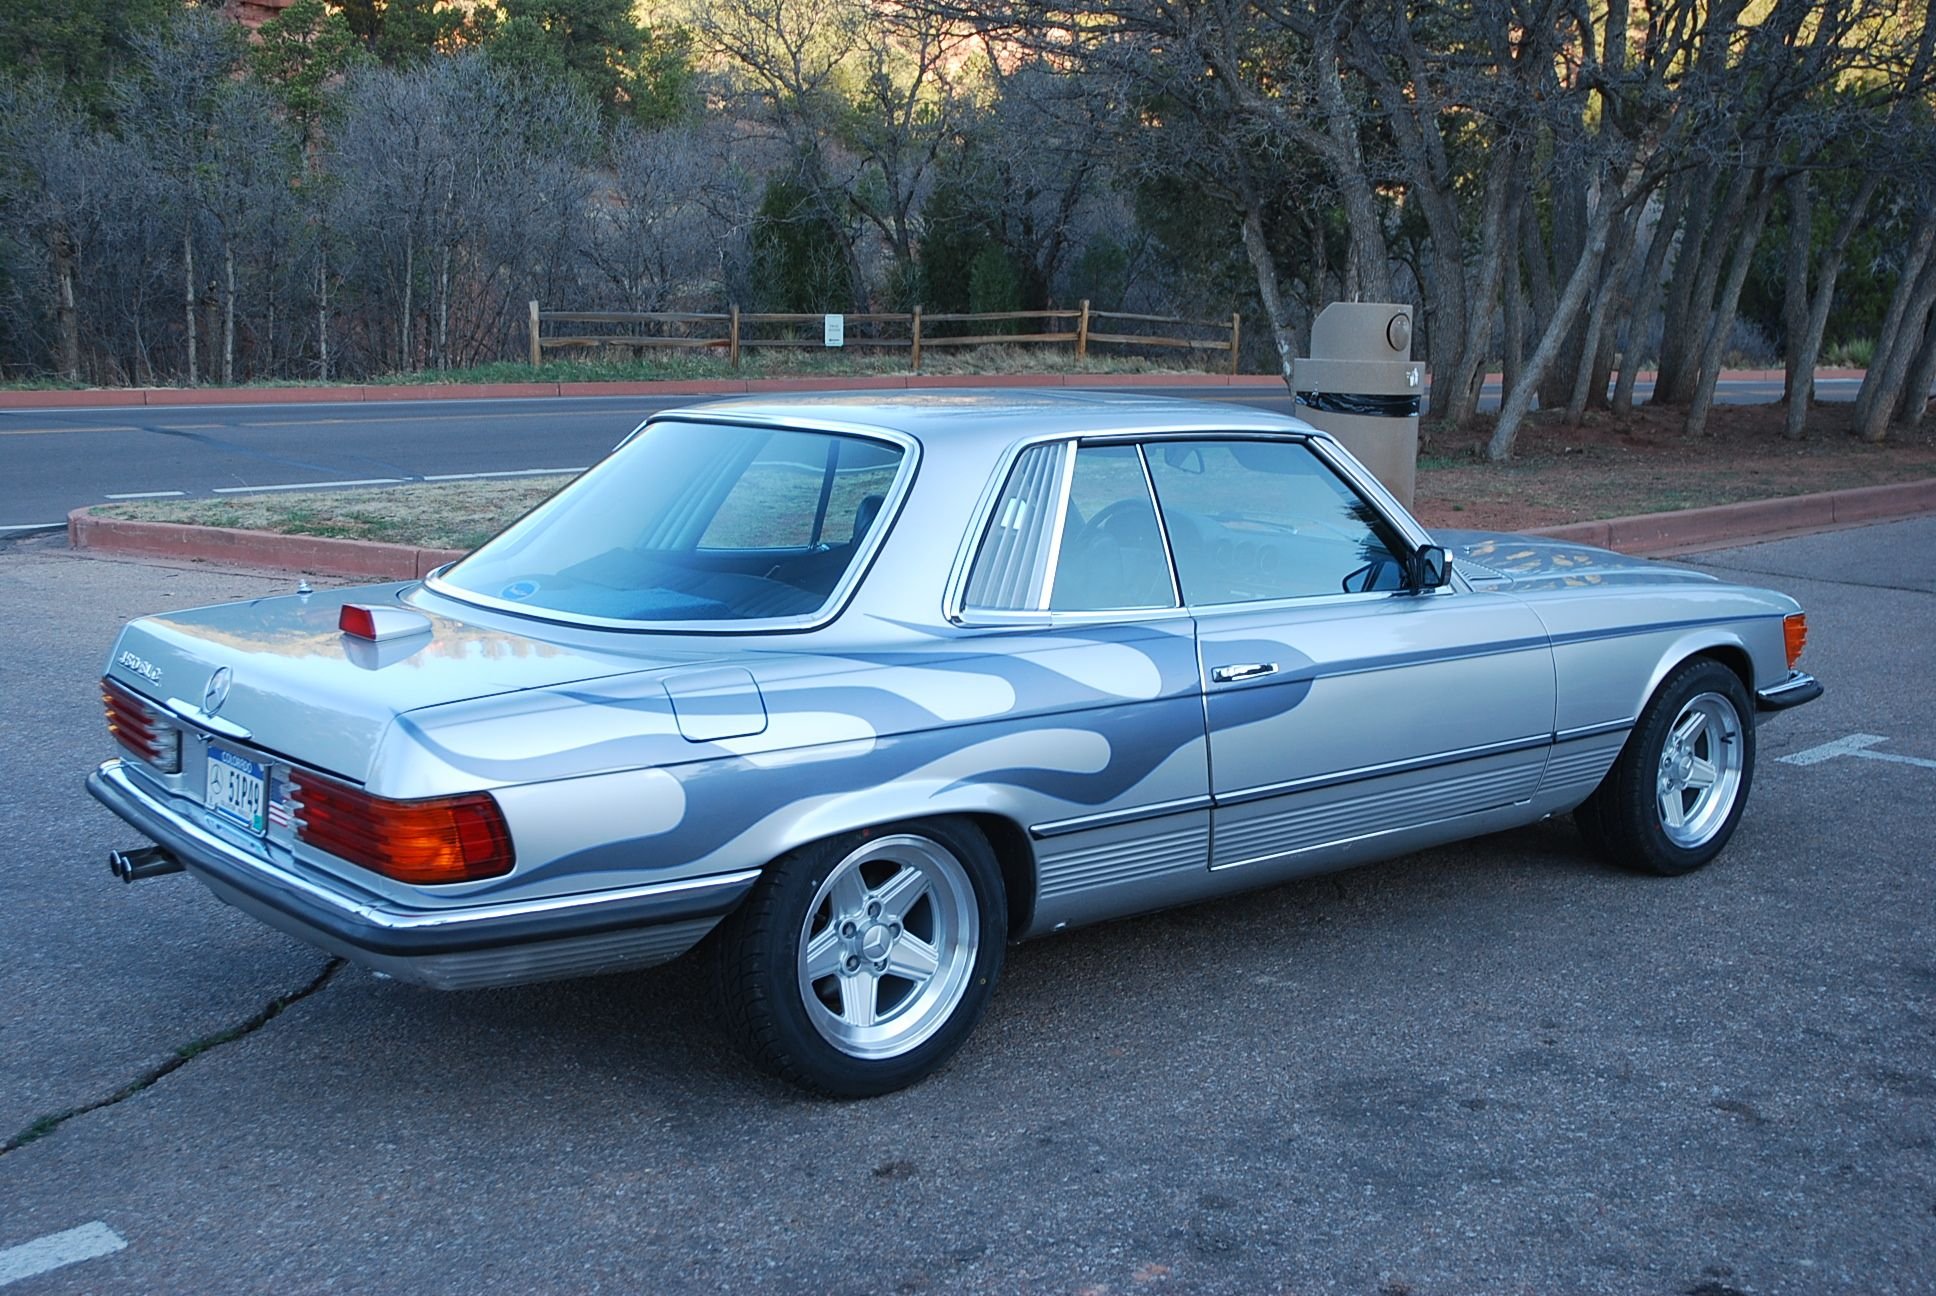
[(1083, 823), (213, 723)]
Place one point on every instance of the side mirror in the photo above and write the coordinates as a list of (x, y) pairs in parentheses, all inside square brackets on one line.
[(1430, 568)]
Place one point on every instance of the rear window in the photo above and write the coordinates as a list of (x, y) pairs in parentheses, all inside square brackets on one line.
[(695, 522)]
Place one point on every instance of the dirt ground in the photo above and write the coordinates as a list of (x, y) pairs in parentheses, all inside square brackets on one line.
[(1643, 463)]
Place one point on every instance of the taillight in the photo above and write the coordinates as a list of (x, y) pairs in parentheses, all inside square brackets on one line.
[(1794, 636), (444, 839), (141, 729)]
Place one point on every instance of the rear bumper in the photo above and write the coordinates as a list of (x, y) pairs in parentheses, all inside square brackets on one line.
[(457, 946), (1791, 692)]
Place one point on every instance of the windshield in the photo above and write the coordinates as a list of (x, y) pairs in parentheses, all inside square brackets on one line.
[(693, 522)]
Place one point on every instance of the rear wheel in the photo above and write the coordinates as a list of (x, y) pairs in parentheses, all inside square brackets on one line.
[(1677, 790), (861, 963)]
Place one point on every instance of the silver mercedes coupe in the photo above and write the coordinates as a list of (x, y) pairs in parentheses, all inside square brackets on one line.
[(850, 692)]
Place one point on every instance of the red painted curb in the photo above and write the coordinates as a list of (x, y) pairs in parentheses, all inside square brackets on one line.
[(317, 555)]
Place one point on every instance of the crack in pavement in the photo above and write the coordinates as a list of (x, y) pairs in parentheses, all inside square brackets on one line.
[(182, 1056)]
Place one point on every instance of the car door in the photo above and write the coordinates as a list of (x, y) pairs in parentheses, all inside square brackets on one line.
[(1341, 708), (1072, 580)]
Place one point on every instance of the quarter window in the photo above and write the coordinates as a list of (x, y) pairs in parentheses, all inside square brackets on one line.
[(1255, 520)]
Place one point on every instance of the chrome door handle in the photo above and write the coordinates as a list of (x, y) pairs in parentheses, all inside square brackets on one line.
[(1248, 670)]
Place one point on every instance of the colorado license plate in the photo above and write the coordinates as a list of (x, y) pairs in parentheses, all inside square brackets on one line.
[(235, 789)]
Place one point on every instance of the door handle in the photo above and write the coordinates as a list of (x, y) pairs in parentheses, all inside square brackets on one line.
[(1244, 671)]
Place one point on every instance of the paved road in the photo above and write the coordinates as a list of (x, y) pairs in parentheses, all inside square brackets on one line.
[(1499, 1067), (55, 460)]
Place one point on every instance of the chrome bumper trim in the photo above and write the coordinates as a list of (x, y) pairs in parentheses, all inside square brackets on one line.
[(1791, 692), (380, 929)]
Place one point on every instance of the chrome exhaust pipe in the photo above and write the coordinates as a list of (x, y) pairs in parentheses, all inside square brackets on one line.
[(150, 861)]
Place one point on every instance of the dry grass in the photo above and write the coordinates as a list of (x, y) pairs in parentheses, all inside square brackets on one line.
[(447, 515)]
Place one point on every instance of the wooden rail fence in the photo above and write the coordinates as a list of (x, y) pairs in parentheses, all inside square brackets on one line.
[(729, 331)]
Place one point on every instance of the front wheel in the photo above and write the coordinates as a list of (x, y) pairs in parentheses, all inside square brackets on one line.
[(861, 963), (1676, 792)]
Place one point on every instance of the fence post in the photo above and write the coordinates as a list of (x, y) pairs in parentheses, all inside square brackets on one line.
[(1082, 333), (1236, 332), (732, 339), (914, 348), (537, 352)]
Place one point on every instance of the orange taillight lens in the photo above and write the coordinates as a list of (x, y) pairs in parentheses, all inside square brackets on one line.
[(444, 839), (141, 729), (1794, 636)]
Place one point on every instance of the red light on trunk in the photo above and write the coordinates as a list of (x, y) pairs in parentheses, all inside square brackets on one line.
[(140, 728), (358, 621), (441, 840)]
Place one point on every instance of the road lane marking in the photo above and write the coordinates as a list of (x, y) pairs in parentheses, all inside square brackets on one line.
[(1854, 745), (321, 485), (57, 1251), (148, 495), (34, 526), (510, 472)]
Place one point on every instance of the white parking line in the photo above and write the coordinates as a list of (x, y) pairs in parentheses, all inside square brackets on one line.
[(58, 1250), (1854, 745), (512, 472), (148, 495), (34, 526), (324, 485)]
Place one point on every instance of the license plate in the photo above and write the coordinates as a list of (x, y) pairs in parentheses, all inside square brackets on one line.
[(235, 789)]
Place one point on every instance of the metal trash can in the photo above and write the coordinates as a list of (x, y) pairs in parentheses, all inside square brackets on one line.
[(1361, 385)]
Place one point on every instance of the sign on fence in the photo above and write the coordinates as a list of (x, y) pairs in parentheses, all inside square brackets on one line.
[(836, 330)]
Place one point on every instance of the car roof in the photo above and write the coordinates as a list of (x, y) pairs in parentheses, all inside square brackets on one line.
[(998, 416)]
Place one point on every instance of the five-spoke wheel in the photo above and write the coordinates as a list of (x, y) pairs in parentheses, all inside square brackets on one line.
[(1676, 792), (861, 963)]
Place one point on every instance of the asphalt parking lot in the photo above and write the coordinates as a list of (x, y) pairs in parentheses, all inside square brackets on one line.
[(1495, 1068)]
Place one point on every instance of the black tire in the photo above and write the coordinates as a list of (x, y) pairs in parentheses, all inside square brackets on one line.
[(806, 1030), (1627, 819)]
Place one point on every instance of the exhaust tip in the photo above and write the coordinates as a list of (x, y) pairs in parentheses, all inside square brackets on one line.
[(151, 861)]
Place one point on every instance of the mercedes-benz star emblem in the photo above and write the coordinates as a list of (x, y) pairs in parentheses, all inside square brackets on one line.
[(217, 691)]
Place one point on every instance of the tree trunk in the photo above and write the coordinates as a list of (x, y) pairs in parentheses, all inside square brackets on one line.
[(1798, 386), (322, 315), (443, 309), (1264, 264), (1891, 375), (1722, 323), (228, 313), (1612, 270), (67, 316), (1369, 264), (1889, 337), (1519, 401), (403, 324), (1681, 350), (1922, 376), (1647, 296), (188, 295), (1811, 349), (1475, 333)]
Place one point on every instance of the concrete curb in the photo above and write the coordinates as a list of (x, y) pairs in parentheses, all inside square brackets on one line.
[(114, 397), (1644, 535)]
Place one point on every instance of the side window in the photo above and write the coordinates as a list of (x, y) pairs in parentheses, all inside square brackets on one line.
[(1112, 548), (1256, 520)]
